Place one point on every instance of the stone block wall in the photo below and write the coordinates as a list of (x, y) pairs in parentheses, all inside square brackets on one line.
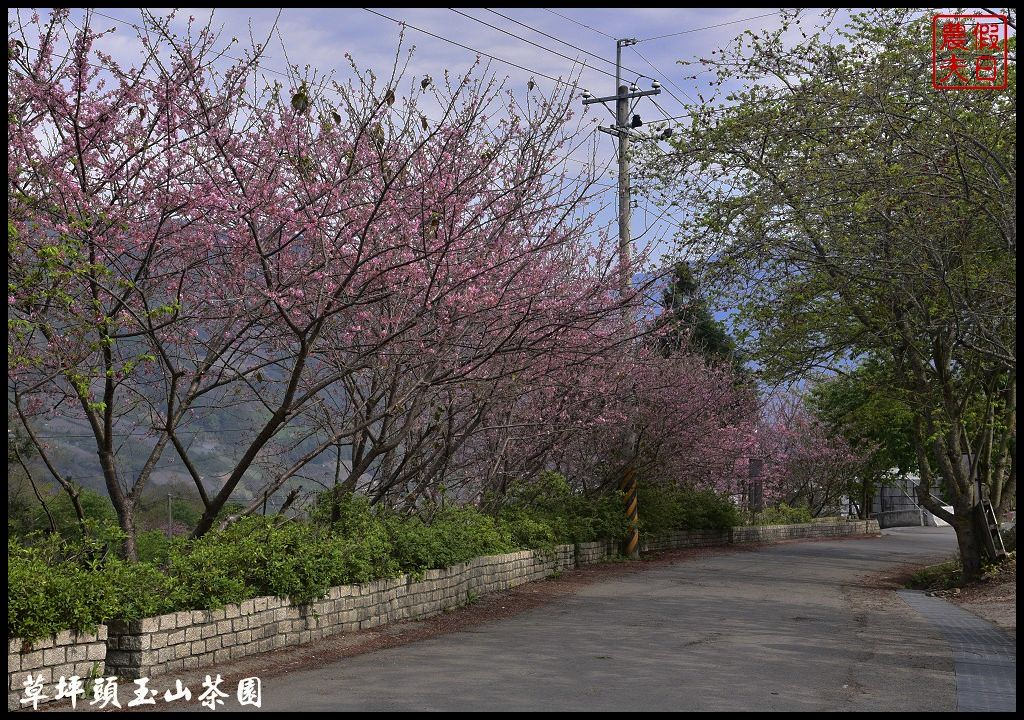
[(189, 640), (594, 552), (67, 653), (759, 534), (685, 539), (775, 533)]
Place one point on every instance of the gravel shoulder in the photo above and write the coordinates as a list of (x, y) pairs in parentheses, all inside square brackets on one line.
[(994, 599)]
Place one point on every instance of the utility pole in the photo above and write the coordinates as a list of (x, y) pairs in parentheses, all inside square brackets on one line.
[(623, 131), (625, 211)]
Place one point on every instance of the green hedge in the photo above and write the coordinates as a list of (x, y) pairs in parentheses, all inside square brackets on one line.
[(783, 515), (664, 509), (48, 590), (56, 584), (546, 512)]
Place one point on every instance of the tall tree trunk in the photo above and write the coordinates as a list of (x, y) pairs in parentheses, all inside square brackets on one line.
[(963, 519), (336, 490), (970, 539), (126, 518), (1003, 490)]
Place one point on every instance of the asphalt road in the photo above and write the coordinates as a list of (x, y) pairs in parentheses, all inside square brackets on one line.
[(784, 627)]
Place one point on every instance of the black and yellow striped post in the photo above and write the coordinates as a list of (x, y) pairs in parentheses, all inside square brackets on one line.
[(631, 543)]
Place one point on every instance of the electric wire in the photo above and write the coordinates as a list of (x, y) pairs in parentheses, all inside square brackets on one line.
[(538, 45), (471, 49), (565, 42), (710, 27), (566, 17)]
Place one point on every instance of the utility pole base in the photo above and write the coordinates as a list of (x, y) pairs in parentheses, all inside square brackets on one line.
[(631, 543)]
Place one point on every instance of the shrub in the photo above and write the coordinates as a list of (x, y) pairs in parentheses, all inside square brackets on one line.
[(783, 515), (256, 556), (100, 518), (35, 591), (49, 590), (665, 509), (571, 516), (526, 530), (453, 535), (155, 547), (210, 574), (137, 590)]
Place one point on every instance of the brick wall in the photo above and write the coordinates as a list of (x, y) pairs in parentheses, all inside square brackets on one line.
[(806, 530), (67, 653), (593, 552), (775, 533)]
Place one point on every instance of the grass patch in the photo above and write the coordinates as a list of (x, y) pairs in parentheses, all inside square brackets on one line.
[(948, 575), (944, 576), (1005, 571)]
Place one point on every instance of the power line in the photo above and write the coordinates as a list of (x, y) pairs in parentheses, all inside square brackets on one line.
[(667, 79), (566, 17), (659, 37), (709, 27), (478, 52), (552, 37), (664, 76), (640, 75), (594, 55), (538, 45), (666, 117), (723, 109), (564, 42), (499, 59), (400, 22)]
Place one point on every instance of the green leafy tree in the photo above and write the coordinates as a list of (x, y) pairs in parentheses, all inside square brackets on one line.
[(854, 210), (870, 411), (874, 416)]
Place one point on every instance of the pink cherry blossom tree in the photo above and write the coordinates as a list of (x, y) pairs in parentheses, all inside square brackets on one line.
[(804, 463), (322, 258)]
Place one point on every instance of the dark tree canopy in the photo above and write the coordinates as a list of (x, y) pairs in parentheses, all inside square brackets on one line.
[(687, 323)]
